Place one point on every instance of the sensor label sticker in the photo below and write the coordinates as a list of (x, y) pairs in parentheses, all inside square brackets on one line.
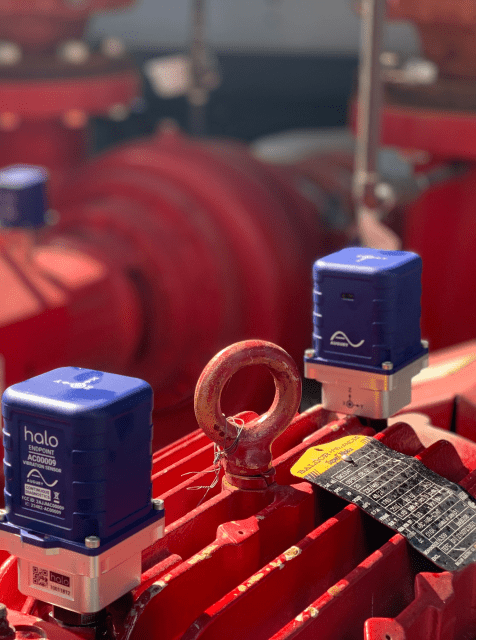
[(42, 450), (435, 515), (47, 580)]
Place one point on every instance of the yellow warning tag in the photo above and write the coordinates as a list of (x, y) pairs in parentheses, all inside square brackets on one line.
[(325, 456), (436, 516)]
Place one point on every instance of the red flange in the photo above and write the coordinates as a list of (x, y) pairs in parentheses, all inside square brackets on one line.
[(39, 25)]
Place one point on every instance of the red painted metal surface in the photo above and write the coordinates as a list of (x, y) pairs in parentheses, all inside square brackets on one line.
[(40, 99), (165, 252), (447, 31), (48, 97), (285, 560), (38, 26), (444, 134), (45, 109), (445, 391), (437, 225), (442, 219), (430, 225)]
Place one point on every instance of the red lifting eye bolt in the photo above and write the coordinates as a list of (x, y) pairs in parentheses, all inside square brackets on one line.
[(247, 448)]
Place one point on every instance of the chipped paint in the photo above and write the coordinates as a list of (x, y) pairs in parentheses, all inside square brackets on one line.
[(255, 578), (335, 426), (291, 553), (203, 555), (276, 563), (309, 612), (336, 589), (251, 581)]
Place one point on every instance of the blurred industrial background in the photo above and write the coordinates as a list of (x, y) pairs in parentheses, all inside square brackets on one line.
[(283, 65), (222, 135), (274, 26)]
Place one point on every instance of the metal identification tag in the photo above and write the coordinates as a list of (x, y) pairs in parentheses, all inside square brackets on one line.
[(435, 515)]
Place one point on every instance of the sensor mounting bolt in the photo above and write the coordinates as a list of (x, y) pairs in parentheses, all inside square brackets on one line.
[(158, 504), (92, 542), (387, 365)]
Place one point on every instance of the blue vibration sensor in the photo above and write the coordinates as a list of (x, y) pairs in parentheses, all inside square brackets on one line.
[(367, 309), (23, 196), (78, 456)]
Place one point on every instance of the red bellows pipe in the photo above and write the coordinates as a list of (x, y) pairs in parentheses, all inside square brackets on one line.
[(168, 250)]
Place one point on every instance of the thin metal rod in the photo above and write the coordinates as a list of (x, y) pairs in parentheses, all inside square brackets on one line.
[(369, 103), (198, 93)]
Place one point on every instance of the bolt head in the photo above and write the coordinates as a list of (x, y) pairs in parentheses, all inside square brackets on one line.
[(75, 119), (3, 515), (309, 353), (113, 48), (158, 504), (92, 542), (387, 365), (10, 54), (347, 458), (425, 344), (74, 52), (9, 121)]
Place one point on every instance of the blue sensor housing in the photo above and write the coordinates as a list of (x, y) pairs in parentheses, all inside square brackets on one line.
[(367, 309), (23, 196), (78, 454)]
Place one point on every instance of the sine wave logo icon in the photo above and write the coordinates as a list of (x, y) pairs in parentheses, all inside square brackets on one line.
[(340, 339), (36, 473)]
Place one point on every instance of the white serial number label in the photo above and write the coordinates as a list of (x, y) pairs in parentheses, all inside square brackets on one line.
[(48, 580)]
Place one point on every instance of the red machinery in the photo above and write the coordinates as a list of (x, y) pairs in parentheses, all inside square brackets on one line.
[(52, 84), (112, 287), (165, 253), (438, 119), (264, 556)]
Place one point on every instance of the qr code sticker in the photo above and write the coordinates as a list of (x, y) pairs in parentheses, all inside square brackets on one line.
[(40, 577)]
